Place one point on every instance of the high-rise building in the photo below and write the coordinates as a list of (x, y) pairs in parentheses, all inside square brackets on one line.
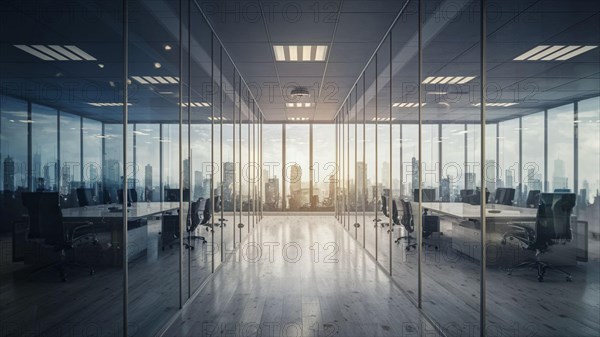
[(228, 180), (470, 180), (385, 174), (37, 166), (186, 173), (9, 174), (415, 174), (272, 194), (198, 185), (295, 178), (361, 174), (148, 177), (509, 179), (490, 175), (559, 178)]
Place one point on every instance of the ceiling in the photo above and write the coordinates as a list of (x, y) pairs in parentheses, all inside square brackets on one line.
[(249, 29)]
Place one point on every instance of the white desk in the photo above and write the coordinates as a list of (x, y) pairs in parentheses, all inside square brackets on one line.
[(467, 211), (135, 211), (105, 220)]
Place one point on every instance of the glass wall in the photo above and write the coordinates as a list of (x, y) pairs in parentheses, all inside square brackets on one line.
[(117, 204), (495, 134)]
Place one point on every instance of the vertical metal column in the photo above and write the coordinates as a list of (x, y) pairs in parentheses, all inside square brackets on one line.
[(283, 166), (221, 166), (419, 150), (311, 169), (356, 224), (483, 231), (364, 158), (546, 181), (124, 180), (575, 150), (234, 190), (376, 194), (212, 152), (335, 202), (189, 125), (391, 182)]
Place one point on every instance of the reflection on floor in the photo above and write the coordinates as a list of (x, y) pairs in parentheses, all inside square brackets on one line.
[(300, 276), (518, 305), (92, 305)]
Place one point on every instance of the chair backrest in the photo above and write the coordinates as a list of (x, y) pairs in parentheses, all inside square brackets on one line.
[(553, 220), (505, 196), (384, 208), (106, 199), (206, 213), (194, 214), (407, 216), (395, 215), (217, 203), (427, 193), (533, 199), (45, 216), (133, 196), (465, 193), (172, 194), (120, 196), (84, 197)]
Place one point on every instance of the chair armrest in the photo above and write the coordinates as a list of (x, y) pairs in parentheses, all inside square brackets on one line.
[(72, 234), (521, 231)]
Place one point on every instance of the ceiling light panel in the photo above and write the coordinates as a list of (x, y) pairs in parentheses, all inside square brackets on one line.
[(448, 79), (407, 105), (300, 53), (497, 104), (296, 119), (156, 79), (298, 105), (197, 104), (553, 52), (104, 104), (56, 52)]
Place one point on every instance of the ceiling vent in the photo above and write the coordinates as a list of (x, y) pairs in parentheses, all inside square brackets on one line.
[(300, 92)]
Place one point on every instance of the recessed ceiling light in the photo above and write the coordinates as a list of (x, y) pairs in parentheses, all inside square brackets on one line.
[(553, 52), (26, 121), (497, 104), (157, 65), (294, 53), (436, 93), (407, 105), (166, 92), (382, 119), (56, 53), (167, 47), (156, 79), (448, 79), (197, 104), (217, 118), (104, 104), (100, 65), (296, 119), (298, 105)]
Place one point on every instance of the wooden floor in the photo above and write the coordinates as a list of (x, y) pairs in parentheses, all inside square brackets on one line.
[(315, 280), (518, 305)]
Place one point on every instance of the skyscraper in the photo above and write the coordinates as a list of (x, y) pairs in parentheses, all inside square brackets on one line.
[(385, 174), (198, 186), (186, 173), (9, 174), (490, 174), (415, 174), (295, 178), (148, 177), (361, 173), (272, 193), (559, 179)]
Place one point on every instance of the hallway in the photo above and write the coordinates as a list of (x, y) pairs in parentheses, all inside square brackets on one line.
[(300, 276)]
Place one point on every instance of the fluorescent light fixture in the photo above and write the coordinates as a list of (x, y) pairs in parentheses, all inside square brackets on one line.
[(217, 118), (29, 121), (436, 93), (382, 119), (295, 53), (279, 53), (56, 52), (156, 79), (553, 52), (407, 105), (306, 52), (298, 105), (448, 79), (320, 54), (105, 104), (197, 104), (296, 119), (497, 104)]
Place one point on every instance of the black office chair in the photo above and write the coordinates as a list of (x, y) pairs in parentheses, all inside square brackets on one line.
[(172, 194), (533, 199), (465, 194), (505, 196), (52, 232), (84, 197), (552, 226), (427, 193), (430, 225), (194, 221), (218, 205), (106, 198), (133, 195), (384, 210), (120, 196), (406, 221), (475, 199)]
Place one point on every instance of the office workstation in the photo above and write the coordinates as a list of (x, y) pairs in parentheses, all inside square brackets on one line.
[(349, 168)]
